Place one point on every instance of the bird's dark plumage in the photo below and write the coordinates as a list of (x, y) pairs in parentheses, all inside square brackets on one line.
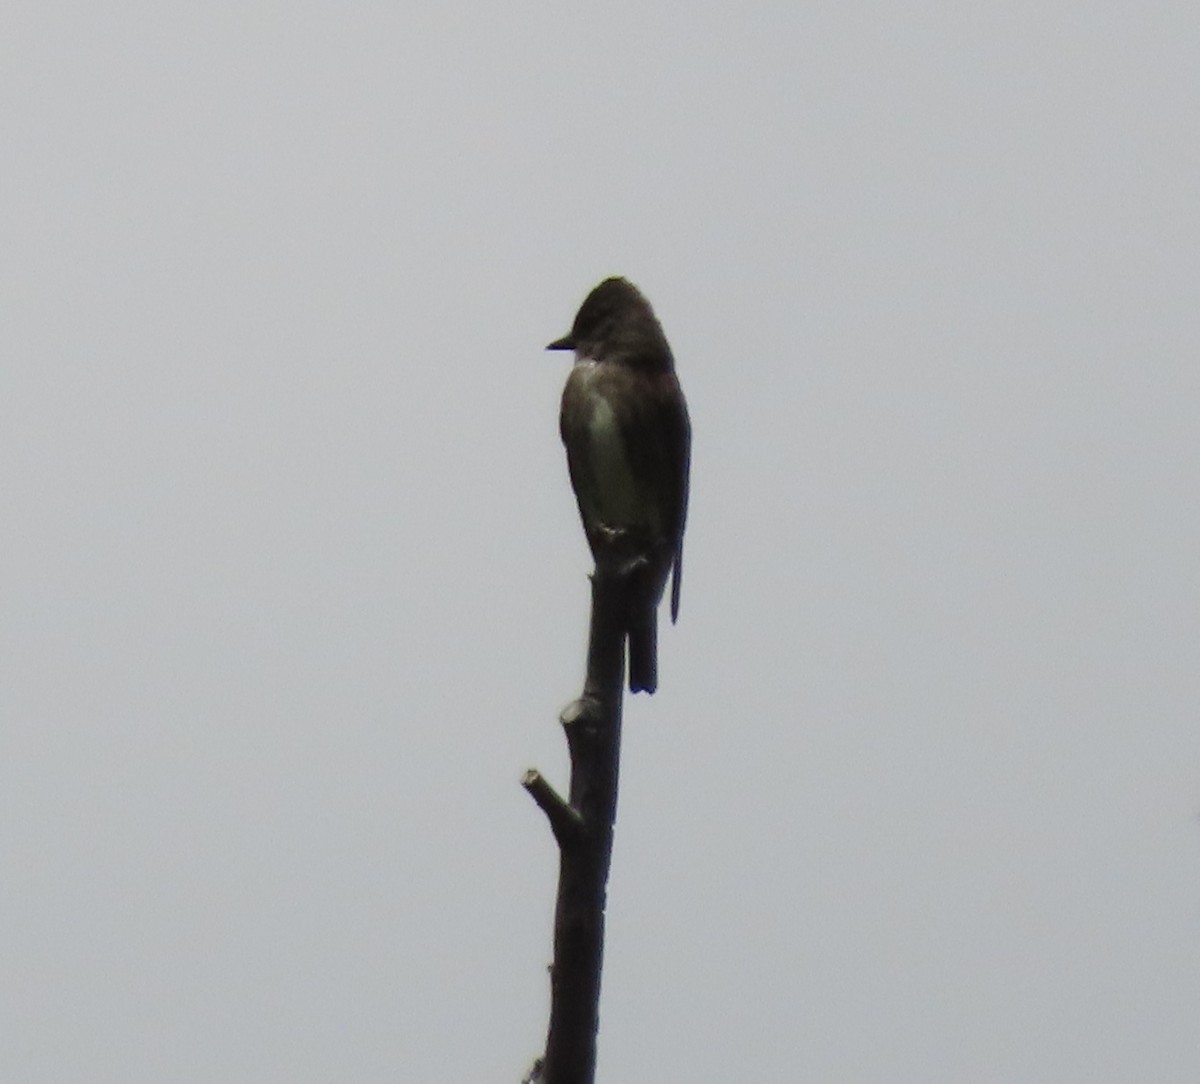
[(625, 425)]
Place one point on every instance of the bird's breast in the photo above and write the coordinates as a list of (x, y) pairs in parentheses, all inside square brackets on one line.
[(617, 497)]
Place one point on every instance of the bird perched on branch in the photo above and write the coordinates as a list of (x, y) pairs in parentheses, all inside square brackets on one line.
[(625, 425)]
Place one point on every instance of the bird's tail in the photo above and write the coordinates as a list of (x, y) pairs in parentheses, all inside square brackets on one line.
[(643, 647)]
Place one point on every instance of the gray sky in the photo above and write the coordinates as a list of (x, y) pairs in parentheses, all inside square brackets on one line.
[(294, 587)]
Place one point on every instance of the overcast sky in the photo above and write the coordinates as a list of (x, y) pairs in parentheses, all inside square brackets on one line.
[(294, 588)]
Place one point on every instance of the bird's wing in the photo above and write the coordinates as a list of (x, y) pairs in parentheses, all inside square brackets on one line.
[(678, 429), (662, 454)]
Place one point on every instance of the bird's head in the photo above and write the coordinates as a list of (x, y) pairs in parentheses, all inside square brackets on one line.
[(615, 322)]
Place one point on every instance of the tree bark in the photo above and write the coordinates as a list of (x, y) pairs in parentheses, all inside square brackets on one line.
[(583, 829)]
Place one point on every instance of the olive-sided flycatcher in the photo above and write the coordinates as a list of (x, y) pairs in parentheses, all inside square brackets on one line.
[(625, 425)]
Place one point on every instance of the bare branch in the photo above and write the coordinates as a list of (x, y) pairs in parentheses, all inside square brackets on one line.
[(566, 824), (583, 828)]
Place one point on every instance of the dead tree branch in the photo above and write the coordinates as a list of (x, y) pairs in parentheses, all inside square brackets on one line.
[(583, 829)]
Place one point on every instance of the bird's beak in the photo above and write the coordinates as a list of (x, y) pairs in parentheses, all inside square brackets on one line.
[(565, 343)]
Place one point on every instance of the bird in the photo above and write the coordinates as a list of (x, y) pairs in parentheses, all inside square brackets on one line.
[(624, 422)]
